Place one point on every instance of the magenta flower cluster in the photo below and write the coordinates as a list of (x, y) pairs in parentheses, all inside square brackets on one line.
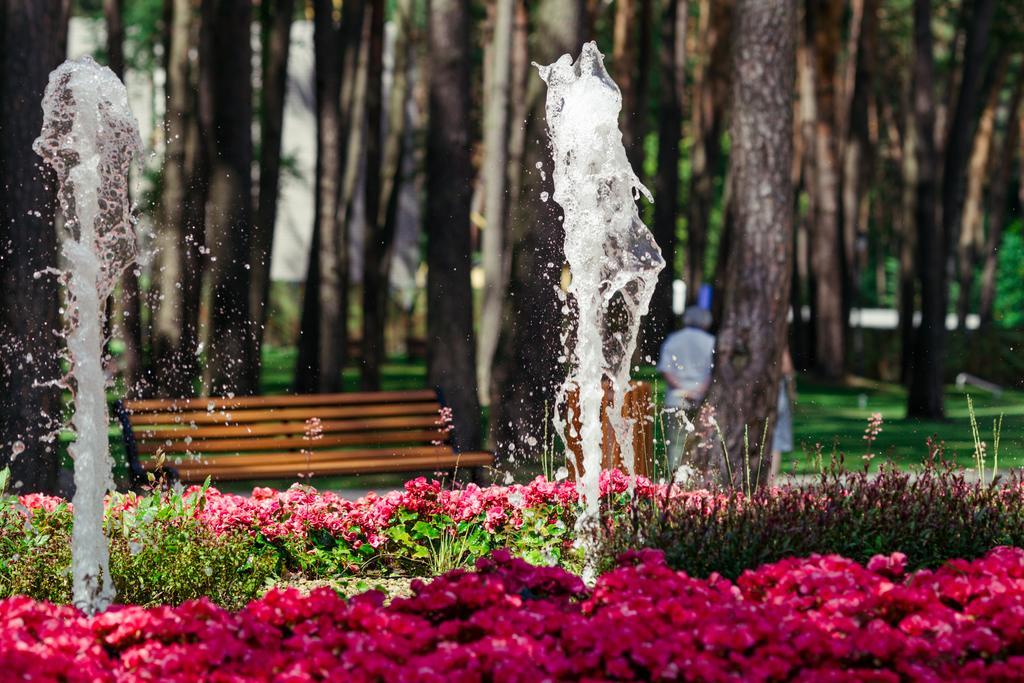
[(822, 618)]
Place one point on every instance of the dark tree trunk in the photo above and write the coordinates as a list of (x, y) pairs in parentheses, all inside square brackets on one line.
[(660, 321), (377, 242), (1010, 147), (907, 289), (113, 15), (711, 98), (527, 369), (822, 25), (925, 397), (451, 359), (323, 337), (275, 31), (752, 337), (858, 156), (32, 43), (177, 278), (130, 306), (229, 368)]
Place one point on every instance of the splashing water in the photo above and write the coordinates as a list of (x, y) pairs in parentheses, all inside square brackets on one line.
[(612, 256), (90, 137)]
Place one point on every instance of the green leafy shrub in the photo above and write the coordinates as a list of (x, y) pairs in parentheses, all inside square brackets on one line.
[(159, 554)]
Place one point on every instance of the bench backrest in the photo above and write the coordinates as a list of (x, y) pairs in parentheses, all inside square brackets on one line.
[(255, 431)]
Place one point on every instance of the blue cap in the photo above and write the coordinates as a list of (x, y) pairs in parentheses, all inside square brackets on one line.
[(704, 297)]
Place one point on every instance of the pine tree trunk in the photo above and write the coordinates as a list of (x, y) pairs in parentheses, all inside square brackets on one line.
[(925, 381), (322, 335), (659, 321), (275, 34), (495, 171), (858, 155), (377, 245), (998, 203), (711, 98), (229, 367), (925, 397), (451, 365), (630, 54), (526, 370), (907, 289), (129, 305), (177, 274), (972, 228), (752, 337), (822, 23), (33, 38)]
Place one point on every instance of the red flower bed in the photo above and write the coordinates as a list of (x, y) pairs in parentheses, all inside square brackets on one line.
[(821, 618)]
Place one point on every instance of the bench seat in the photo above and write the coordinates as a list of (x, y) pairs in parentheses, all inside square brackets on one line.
[(271, 437)]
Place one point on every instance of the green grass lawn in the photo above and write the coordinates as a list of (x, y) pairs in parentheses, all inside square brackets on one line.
[(835, 416), (831, 415)]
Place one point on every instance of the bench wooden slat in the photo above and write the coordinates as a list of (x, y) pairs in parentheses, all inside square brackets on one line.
[(189, 473), (150, 447), (266, 437), (282, 428), (229, 417), (298, 459), (354, 398)]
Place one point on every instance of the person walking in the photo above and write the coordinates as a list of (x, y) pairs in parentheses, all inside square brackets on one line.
[(782, 439), (685, 362)]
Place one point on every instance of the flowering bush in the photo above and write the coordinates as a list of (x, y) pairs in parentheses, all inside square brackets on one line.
[(820, 618), (159, 553), (170, 547), (932, 515), (241, 544)]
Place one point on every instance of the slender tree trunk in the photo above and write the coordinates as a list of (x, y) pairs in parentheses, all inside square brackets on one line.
[(130, 305), (659, 321), (113, 13), (495, 171), (972, 228), (925, 382), (173, 334), (925, 397), (322, 335), (823, 24), (858, 157), (275, 35), (376, 247), (33, 38), (807, 108), (711, 98), (229, 368), (752, 337), (451, 354), (630, 56), (907, 289), (527, 369), (997, 202)]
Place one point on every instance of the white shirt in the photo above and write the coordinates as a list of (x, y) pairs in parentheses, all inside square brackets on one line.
[(686, 357)]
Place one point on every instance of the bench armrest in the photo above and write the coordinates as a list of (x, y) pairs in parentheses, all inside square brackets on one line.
[(136, 473)]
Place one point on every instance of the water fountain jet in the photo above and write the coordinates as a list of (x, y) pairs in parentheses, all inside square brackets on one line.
[(90, 138), (612, 256)]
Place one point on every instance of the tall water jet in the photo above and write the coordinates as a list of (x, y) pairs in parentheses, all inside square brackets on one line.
[(90, 138), (613, 258)]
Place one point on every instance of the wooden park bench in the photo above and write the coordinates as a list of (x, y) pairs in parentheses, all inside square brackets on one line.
[(274, 437)]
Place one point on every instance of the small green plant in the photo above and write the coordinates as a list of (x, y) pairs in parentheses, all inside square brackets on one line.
[(981, 448)]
